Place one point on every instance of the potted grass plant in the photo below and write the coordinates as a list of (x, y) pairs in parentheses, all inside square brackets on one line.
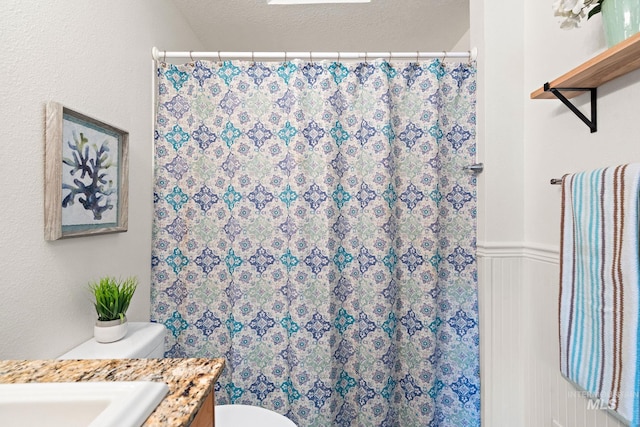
[(111, 301)]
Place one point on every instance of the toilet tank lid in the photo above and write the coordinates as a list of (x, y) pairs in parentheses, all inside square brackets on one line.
[(141, 339)]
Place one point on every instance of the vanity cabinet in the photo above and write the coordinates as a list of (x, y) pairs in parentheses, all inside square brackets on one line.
[(205, 416)]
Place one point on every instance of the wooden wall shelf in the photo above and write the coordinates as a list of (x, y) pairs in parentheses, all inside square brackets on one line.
[(610, 64)]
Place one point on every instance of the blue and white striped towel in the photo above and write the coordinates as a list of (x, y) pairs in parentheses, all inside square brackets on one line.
[(599, 341)]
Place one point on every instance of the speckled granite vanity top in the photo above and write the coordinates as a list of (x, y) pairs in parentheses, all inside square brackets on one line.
[(189, 380)]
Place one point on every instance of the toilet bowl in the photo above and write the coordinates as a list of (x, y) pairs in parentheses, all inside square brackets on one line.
[(249, 416), (144, 340)]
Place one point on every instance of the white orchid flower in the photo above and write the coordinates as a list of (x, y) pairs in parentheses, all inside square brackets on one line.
[(572, 12), (577, 8)]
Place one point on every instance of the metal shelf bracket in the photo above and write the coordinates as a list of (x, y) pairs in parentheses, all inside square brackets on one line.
[(593, 122)]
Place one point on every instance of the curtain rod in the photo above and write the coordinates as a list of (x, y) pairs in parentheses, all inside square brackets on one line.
[(312, 56)]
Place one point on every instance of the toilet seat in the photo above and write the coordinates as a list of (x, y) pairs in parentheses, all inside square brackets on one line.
[(249, 416)]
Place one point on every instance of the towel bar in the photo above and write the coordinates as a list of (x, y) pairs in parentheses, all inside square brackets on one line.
[(555, 181)]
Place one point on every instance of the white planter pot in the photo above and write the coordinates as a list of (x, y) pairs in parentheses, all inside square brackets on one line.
[(110, 331)]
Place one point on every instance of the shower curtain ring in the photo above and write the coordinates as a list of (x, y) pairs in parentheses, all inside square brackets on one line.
[(164, 56), (339, 62), (366, 57), (285, 56), (219, 59), (191, 56), (417, 56), (311, 57)]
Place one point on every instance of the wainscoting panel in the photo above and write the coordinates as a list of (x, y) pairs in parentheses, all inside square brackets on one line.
[(521, 381), (501, 344)]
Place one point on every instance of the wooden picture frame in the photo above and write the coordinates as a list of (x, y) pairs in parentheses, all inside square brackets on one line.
[(86, 189)]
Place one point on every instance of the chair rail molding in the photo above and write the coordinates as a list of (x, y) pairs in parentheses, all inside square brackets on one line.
[(529, 250)]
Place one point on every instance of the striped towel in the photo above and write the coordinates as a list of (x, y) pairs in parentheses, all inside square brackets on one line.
[(599, 334)]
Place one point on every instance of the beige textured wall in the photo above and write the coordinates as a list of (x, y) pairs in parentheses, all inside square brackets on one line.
[(95, 58)]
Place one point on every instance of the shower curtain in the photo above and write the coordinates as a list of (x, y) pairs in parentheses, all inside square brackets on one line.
[(315, 226)]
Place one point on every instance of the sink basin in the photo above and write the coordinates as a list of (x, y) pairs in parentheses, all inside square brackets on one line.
[(79, 404)]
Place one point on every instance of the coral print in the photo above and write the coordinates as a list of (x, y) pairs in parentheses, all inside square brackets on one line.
[(89, 175)]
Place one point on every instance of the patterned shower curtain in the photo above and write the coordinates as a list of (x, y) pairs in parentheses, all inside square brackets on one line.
[(315, 226)]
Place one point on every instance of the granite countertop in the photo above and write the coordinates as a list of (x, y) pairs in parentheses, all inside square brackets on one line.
[(189, 380)]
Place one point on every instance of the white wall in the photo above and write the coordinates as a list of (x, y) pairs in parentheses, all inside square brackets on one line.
[(557, 142), (95, 58), (500, 118), (500, 122), (464, 43), (522, 47)]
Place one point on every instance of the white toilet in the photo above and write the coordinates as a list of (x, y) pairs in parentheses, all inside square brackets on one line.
[(249, 416), (145, 340)]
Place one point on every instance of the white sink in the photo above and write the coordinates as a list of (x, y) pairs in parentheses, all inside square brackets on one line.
[(81, 404)]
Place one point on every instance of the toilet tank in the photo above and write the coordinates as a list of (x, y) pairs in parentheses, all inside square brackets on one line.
[(144, 340)]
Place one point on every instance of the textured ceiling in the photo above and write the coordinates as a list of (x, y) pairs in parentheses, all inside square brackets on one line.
[(382, 25)]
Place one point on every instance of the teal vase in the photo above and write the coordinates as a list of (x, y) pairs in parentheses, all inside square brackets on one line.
[(620, 19)]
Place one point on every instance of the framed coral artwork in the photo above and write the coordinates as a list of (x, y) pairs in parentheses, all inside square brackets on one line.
[(86, 175)]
